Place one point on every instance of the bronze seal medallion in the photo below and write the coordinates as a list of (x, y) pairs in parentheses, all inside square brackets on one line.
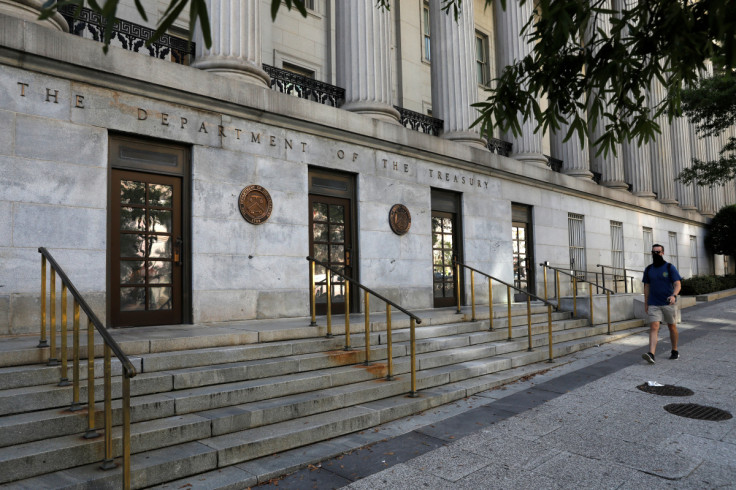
[(400, 219), (255, 204)]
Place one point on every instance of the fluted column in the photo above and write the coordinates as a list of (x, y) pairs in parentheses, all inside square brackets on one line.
[(236, 41), (611, 166), (30, 10), (574, 154), (363, 33), (638, 168), (512, 47), (682, 159), (663, 179), (454, 78), (703, 198), (712, 151)]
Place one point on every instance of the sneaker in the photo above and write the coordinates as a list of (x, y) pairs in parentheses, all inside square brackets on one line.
[(675, 355), (649, 357)]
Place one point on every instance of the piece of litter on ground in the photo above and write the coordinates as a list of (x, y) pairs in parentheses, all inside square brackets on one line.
[(654, 383)]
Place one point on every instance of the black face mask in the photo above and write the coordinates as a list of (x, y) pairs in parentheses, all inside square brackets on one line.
[(657, 260)]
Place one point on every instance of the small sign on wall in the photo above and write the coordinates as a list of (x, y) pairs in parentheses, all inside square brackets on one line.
[(399, 219), (255, 204)]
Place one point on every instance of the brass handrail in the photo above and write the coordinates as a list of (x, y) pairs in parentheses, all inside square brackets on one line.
[(414, 320), (111, 347), (529, 295), (575, 280), (615, 281)]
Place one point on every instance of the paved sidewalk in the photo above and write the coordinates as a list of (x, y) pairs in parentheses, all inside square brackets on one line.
[(583, 424)]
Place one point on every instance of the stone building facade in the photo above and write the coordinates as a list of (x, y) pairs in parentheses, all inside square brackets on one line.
[(135, 172)]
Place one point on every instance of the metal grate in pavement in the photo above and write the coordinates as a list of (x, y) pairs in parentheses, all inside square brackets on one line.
[(666, 390), (698, 412)]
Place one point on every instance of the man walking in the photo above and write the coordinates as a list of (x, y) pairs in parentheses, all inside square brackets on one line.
[(661, 287)]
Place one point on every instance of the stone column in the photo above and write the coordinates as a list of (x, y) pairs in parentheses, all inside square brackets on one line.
[(712, 152), (611, 166), (454, 78), (638, 168), (663, 179), (363, 60), (510, 48), (681, 159), (30, 10), (574, 155), (703, 198), (236, 41)]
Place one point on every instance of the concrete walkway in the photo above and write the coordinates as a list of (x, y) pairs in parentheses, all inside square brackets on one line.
[(582, 424)]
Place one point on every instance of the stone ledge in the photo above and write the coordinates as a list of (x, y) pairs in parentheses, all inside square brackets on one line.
[(716, 295)]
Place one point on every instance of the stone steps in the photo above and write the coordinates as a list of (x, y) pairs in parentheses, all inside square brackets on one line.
[(236, 445)]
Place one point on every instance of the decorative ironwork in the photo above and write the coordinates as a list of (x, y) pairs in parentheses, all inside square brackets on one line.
[(499, 147), (399, 219), (127, 35), (419, 122), (304, 87), (698, 412), (555, 164), (597, 176), (666, 390), (255, 204)]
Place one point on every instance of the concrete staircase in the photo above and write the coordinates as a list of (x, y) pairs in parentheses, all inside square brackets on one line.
[(229, 394)]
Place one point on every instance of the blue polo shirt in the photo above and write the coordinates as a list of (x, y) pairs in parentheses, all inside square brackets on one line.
[(661, 283)]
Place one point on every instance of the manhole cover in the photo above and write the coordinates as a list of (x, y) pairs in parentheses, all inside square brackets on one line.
[(699, 412), (666, 390)]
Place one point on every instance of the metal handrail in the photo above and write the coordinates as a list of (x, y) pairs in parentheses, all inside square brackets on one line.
[(508, 303), (575, 279), (413, 319), (111, 347), (625, 276)]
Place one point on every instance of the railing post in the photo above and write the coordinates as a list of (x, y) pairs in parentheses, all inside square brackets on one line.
[(549, 332), (575, 296), (367, 329), (64, 381), (626, 284), (347, 315), (75, 390), (52, 327), (329, 304), (457, 286), (591, 307), (472, 295), (108, 463), (389, 346), (314, 294), (42, 341), (544, 270), (558, 293), (603, 275), (126, 432), (508, 305), (529, 319), (608, 307), (91, 432), (490, 304), (412, 334)]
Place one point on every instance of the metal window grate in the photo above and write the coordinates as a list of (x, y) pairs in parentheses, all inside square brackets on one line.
[(698, 412), (617, 246), (672, 252), (576, 234)]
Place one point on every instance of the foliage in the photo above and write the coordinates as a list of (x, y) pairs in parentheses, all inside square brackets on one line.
[(721, 236), (706, 284), (711, 105)]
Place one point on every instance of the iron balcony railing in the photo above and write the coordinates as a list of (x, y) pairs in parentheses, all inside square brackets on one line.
[(420, 122), (304, 87), (110, 347), (575, 279), (128, 35), (529, 295), (414, 320), (555, 164), (499, 146)]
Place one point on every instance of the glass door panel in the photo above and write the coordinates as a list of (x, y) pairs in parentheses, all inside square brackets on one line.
[(444, 242)]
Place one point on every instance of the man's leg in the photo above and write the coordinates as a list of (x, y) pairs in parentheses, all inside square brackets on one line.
[(673, 335), (653, 336)]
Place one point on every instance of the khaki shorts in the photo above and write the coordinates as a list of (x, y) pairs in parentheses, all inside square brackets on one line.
[(663, 314)]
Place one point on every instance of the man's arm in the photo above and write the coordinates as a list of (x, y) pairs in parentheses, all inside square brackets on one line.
[(646, 297), (676, 290)]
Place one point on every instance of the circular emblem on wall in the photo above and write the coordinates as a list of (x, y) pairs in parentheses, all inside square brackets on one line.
[(400, 219), (255, 204)]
